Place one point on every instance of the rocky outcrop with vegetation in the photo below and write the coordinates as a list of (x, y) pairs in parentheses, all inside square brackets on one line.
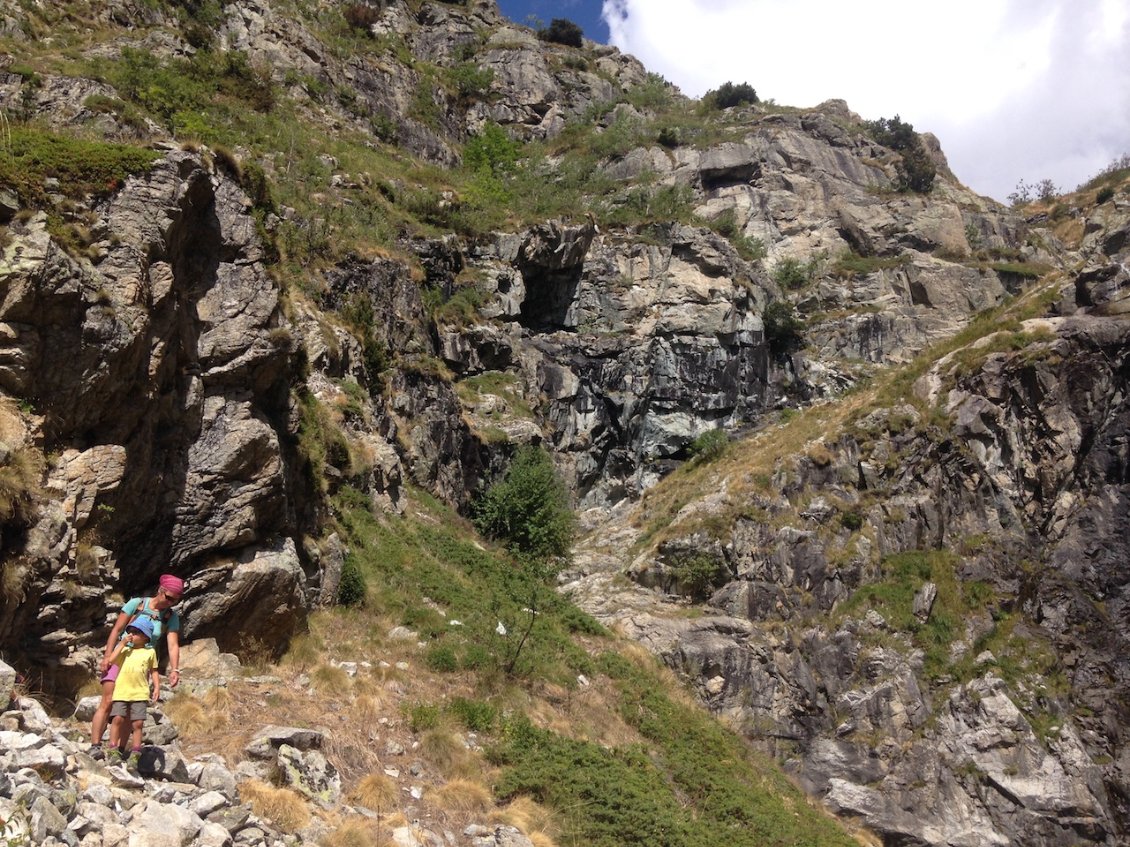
[(917, 606), (853, 433)]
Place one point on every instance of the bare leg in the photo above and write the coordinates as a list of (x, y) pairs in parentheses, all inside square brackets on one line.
[(101, 714), (135, 739), (115, 734)]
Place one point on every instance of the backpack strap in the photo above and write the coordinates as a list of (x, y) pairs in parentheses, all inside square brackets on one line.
[(164, 615)]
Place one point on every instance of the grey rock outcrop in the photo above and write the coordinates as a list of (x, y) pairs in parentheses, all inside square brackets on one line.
[(157, 385), (1024, 485), (160, 375)]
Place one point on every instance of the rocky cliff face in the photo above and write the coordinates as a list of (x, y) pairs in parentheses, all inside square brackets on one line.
[(155, 376), (919, 605), (995, 716)]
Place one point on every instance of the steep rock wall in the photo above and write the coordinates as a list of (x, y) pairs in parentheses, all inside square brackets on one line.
[(156, 379), (1013, 729)]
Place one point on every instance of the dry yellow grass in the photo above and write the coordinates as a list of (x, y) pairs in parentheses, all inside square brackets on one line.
[(372, 702), (285, 808), (463, 796), (20, 481), (356, 832), (376, 791), (443, 749), (218, 700), (197, 716), (532, 818), (329, 680), (304, 653), (188, 714)]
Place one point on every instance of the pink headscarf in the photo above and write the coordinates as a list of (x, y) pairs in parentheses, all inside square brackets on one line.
[(172, 584)]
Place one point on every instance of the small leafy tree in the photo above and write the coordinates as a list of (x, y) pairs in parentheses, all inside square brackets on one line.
[(351, 589), (528, 511), (562, 31), (492, 151), (916, 171), (361, 16), (782, 327), (1045, 191), (728, 94)]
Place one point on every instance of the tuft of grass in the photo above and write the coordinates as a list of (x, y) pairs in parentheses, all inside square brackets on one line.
[(287, 809), (15, 574), (356, 832), (304, 651), (20, 484), (330, 680), (463, 796), (444, 750), (531, 817), (197, 716), (376, 791), (1025, 270)]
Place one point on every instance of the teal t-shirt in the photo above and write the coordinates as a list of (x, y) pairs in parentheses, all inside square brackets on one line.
[(159, 626)]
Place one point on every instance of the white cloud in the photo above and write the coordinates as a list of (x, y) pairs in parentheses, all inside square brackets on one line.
[(1015, 89)]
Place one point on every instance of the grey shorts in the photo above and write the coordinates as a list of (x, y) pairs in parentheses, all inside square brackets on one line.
[(133, 710)]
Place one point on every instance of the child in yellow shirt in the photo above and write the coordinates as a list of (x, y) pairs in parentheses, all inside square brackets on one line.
[(132, 689)]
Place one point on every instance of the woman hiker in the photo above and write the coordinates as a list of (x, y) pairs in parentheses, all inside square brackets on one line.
[(159, 610)]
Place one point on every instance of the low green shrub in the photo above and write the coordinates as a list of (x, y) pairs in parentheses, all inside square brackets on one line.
[(709, 445), (916, 171), (423, 716), (351, 589), (698, 574), (361, 16), (729, 94), (404, 559), (782, 327), (441, 658), (726, 225), (475, 715), (689, 784), (562, 31), (850, 264), (470, 81), (81, 167), (893, 597), (792, 273)]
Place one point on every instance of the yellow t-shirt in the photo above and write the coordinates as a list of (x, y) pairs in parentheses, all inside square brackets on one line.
[(137, 664)]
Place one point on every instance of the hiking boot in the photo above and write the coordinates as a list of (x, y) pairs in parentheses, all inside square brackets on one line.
[(133, 761), (96, 752), (113, 757)]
